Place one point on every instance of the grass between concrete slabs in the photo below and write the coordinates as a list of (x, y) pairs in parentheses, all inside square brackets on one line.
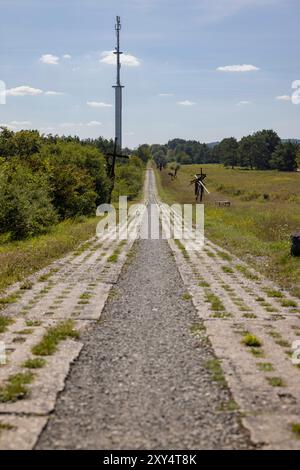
[(16, 387), (21, 258), (49, 343)]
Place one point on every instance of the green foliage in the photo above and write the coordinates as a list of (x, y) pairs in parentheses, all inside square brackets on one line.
[(143, 152), (262, 150), (228, 149), (44, 179), (25, 204), (129, 179), (284, 157)]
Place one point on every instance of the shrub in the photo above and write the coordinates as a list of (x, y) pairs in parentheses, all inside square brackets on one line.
[(25, 204)]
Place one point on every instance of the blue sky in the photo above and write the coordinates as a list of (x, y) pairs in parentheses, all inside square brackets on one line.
[(199, 69)]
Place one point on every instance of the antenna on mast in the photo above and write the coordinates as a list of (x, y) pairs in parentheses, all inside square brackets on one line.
[(118, 89)]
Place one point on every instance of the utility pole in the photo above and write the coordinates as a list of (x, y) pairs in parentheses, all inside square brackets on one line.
[(118, 90), (117, 151)]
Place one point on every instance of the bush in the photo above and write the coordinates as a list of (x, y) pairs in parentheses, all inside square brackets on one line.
[(73, 191), (129, 179), (25, 203)]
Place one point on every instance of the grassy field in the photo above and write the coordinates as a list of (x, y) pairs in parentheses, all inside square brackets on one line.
[(20, 259), (264, 212)]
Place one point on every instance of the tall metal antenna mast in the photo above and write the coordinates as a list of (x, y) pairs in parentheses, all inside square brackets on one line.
[(118, 90)]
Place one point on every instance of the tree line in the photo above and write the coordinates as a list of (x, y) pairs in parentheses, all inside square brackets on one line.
[(47, 179), (263, 150)]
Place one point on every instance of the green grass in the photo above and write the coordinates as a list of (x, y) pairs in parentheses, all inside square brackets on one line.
[(182, 248), (197, 329), (4, 323), (256, 230), (215, 303), (26, 331), (246, 272), (274, 293), (20, 259), (114, 257), (49, 343), (85, 296), (265, 366), (224, 256), (230, 405), (289, 303), (275, 381), (186, 296), (16, 387), (251, 341), (26, 285), (214, 367), (11, 299), (295, 427), (5, 427), (203, 284), (35, 363), (227, 269), (45, 277)]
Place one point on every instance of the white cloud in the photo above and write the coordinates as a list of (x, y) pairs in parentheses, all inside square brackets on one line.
[(13, 125), (53, 93), (128, 134), (67, 56), (7, 125), (108, 57), (98, 104), (68, 125), (49, 59), (71, 124), (243, 103), (186, 103), (165, 94), (24, 90), (283, 98), (94, 123), (238, 68), (20, 123)]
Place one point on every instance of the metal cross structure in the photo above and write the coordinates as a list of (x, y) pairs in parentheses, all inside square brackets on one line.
[(118, 89), (199, 185)]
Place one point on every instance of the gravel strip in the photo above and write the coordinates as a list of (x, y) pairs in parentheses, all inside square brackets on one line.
[(141, 381)]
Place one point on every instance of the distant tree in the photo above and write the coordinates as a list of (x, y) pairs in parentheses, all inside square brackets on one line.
[(143, 152), (160, 159), (245, 152), (27, 143), (284, 157), (260, 153), (7, 146), (270, 137), (298, 157), (228, 149), (264, 143)]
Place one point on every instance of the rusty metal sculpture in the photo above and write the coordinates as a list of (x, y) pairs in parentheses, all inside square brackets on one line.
[(199, 185)]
